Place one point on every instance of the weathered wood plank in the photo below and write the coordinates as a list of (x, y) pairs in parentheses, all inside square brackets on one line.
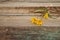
[(16, 27), (27, 10), (22, 17), (28, 4), (26, 21), (29, 33), (37, 1)]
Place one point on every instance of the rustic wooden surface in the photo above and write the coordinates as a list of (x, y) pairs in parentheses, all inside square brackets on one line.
[(28, 4), (16, 25), (37, 1), (22, 17), (29, 33), (27, 10), (26, 21), (13, 26)]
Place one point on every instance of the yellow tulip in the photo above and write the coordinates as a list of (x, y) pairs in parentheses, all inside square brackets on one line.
[(33, 20), (39, 22), (46, 16)]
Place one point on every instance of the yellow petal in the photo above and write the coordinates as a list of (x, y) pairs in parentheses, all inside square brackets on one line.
[(39, 22), (33, 20), (46, 16)]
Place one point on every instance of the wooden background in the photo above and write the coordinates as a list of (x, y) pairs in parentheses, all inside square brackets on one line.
[(15, 22)]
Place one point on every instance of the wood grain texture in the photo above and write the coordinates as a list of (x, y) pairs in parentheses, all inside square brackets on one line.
[(28, 4), (15, 20), (26, 21), (27, 10), (10, 16), (37, 1), (29, 33)]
